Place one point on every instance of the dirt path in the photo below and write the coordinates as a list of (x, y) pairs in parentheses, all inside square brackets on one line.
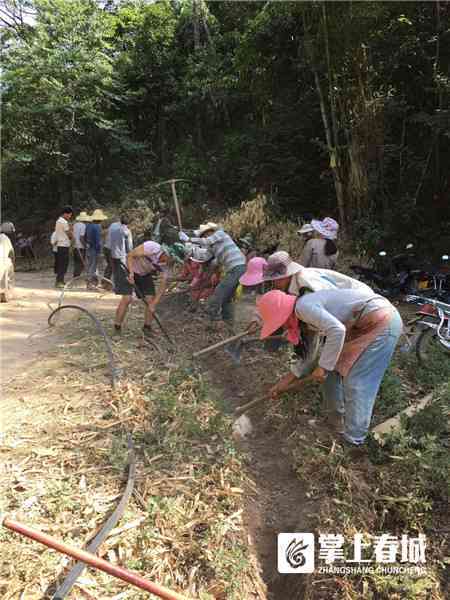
[(278, 503), (25, 338)]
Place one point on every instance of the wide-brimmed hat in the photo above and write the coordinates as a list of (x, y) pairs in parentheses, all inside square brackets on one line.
[(254, 275), (200, 255), (99, 215), (83, 216), (328, 228), (280, 265), (207, 227), (274, 308), (306, 228)]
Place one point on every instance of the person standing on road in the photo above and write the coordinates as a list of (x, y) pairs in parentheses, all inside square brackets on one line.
[(79, 251), (233, 263), (93, 240), (142, 264), (63, 237), (8, 229), (118, 243)]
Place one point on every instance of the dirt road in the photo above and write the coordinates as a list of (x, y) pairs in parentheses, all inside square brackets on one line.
[(25, 338), (23, 321)]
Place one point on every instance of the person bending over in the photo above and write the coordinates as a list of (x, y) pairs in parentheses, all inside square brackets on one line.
[(142, 265)]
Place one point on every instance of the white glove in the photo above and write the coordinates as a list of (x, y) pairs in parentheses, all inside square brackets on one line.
[(183, 237)]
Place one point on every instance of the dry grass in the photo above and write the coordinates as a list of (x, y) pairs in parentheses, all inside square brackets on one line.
[(63, 471)]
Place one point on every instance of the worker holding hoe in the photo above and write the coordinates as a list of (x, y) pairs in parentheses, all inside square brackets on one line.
[(142, 264), (230, 258), (361, 330)]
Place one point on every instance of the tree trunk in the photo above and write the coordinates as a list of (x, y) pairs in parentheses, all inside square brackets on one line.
[(326, 124)]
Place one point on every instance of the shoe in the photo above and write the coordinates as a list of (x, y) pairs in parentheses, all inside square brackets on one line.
[(354, 451), (117, 329)]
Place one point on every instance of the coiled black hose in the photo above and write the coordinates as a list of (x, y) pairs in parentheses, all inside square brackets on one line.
[(115, 371)]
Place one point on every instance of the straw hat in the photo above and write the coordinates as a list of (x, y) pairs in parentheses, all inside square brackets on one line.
[(254, 275), (280, 265), (306, 228), (83, 216), (274, 308), (99, 215), (207, 227), (328, 228)]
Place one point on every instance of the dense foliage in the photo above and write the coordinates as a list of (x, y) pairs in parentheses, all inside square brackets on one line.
[(337, 108)]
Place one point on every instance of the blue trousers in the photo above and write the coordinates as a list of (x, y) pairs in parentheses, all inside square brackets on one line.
[(219, 305), (353, 396), (92, 262)]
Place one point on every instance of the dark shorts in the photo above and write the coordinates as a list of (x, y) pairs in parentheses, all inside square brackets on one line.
[(144, 283)]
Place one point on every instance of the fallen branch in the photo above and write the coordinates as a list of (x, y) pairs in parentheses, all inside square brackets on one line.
[(394, 423)]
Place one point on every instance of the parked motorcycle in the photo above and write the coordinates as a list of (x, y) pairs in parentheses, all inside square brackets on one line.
[(434, 339), (393, 276)]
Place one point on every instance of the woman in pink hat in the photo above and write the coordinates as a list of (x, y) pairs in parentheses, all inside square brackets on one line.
[(252, 282), (361, 330), (289, 276), (246, 317), (321, 251)]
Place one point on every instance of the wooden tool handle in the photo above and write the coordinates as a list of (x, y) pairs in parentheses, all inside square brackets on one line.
[(240, 410), (234, 338)]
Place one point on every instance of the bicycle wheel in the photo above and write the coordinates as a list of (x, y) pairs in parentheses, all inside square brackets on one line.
[(429, 347)]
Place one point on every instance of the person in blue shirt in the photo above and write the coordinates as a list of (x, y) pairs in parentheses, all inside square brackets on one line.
[(93, 241)]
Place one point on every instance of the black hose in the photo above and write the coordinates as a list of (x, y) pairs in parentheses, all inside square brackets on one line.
[(112, 366), (111, 522), (69, 283)]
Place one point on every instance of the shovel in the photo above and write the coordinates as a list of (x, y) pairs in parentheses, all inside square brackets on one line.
[(243, 408), (229, 340), (155, 316), (235, 350)]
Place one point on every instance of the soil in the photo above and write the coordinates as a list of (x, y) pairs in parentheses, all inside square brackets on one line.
[(276, 501), (25, 335), (280, 504)]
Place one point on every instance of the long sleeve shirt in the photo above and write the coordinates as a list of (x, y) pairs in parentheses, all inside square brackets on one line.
[(93, 237), (119, 240), (323, 279), (79, 230), (225, 251), (313, 255), (330, 310)]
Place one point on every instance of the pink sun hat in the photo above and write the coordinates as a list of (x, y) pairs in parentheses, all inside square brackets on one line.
[(254, 274), (274, 308), (328, 228)]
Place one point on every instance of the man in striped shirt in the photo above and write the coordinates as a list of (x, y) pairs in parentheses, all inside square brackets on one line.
[(230, 259)]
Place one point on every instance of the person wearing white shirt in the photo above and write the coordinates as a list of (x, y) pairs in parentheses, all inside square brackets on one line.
[(63, 237), (79, 251)]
